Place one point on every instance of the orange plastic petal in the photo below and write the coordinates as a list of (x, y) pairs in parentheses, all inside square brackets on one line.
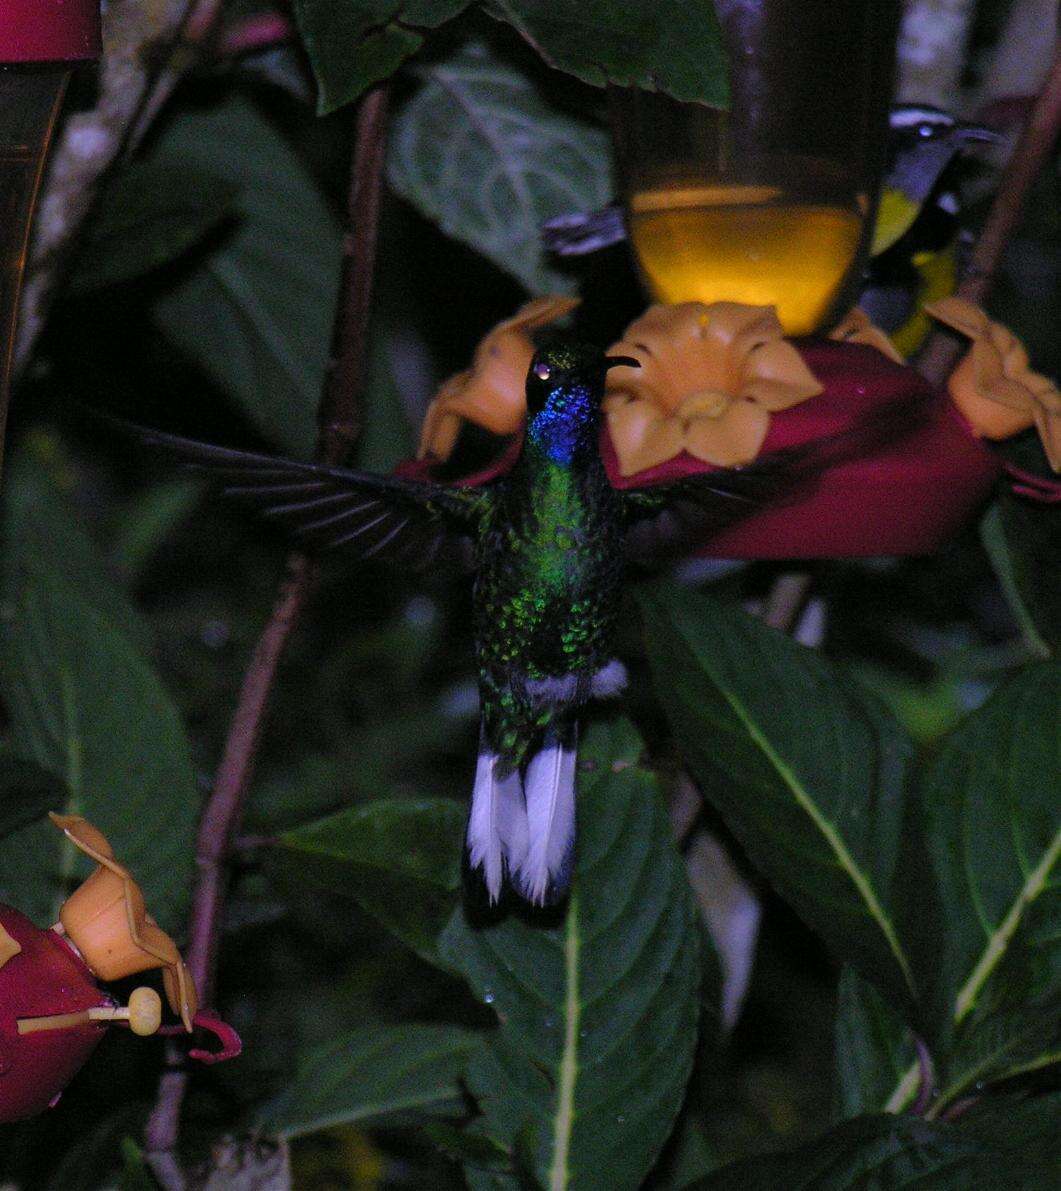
[(718, 370), (993, 385), (491, 393), (856, 327), (9, 947), (81, 833)]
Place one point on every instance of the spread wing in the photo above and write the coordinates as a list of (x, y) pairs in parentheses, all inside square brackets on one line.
[(670, 518), (387, 517)]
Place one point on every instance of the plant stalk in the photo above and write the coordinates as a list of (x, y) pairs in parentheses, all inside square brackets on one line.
[(338, 420)]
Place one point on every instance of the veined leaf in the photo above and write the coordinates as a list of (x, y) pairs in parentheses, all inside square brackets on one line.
[(256, 313), (478, 151), (400, 859), (991, 802), (876, 1153), (658, 45), (1024, 545), (86, 706), (597, 1012), (372, 1073), (354, 43), (875, 1062), (806, 769)]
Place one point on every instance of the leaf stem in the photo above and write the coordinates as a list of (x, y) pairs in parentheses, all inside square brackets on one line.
[(338, 426), (942, 350)]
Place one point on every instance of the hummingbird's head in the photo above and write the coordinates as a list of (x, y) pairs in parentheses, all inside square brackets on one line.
[(565, 385)]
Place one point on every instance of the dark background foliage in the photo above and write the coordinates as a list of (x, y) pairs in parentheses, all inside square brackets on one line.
[(758, 990)]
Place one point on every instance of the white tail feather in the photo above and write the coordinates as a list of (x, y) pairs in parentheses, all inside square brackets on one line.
[(497, 825), (549, 786)]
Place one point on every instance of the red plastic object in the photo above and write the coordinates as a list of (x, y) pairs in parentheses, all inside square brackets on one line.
[(49, 30), (46, 977), (907, 498)]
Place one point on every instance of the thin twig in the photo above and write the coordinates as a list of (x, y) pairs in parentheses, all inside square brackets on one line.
[(338, 421), (926, 1087), (942, 350)]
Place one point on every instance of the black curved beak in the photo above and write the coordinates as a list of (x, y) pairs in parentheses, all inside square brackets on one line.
[(621, 362)]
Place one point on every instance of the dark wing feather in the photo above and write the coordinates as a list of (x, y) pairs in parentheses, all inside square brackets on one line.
[(671, 518), (388, 517)]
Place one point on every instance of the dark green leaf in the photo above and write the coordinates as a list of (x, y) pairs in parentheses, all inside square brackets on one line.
[(147, 521), (355, 43), (135, 1176), (480, 152), (473, 1149), (372, 1073), (875, 1061), (153, 213), (879, 1153), (257, 312), (398, 858), (673, 46), (1023, 541), (992, 825), (27, 792), (598, 1010), (805, 767), (86, 705)]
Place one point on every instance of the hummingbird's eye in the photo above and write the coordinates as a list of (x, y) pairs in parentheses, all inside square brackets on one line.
[(926, 130), (542, 371)]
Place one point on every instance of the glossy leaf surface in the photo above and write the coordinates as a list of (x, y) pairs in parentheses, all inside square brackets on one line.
[(400, 859), (480, 152), (806, 768), (372, 1073), (992, 807), (87, 706), (598, 1009), (355, 43), (658, 45), (263, 343)]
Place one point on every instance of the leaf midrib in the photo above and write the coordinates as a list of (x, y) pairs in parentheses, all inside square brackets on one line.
[(568, 1072), (824, 826)]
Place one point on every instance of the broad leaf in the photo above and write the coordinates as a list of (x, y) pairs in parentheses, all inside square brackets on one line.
[(597, 1011), (27, 792), (87, 706), (875, 1061), (1023, 542), (806, 768), (372, 1073), (658, 45), (355, 43), (153, 213), (400, 859), (256, 313), (992, 808), (877, 1153), (480, 153)]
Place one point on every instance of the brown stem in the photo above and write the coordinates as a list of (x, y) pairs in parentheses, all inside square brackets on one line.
[(337, 417), (942, 350), (338, 421)]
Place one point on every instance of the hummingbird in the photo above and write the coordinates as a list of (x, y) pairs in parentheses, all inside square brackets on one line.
[(549, 539)]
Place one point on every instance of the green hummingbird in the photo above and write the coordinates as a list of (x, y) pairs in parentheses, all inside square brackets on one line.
[(550, 539)]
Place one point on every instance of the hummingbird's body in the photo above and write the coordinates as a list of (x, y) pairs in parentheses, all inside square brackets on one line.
[(550, 539), (549, 565)]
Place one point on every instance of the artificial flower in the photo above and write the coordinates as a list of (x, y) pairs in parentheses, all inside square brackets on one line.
[(107, 921), (709, 380), (993, 385), (491, 393), (857, 327)]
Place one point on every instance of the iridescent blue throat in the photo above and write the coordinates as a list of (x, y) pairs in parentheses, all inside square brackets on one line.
[(567, 426)]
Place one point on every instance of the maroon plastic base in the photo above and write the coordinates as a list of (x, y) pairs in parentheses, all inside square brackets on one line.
[(49, 30)]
